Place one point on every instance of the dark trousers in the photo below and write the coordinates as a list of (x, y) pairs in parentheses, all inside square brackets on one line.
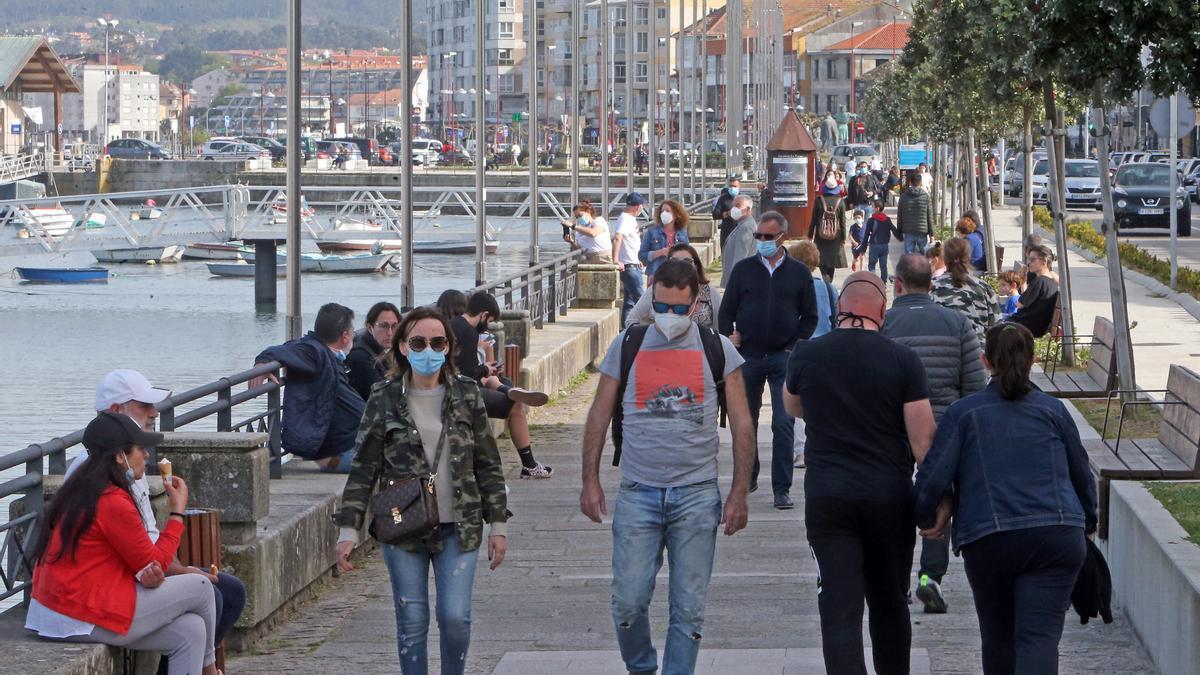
[(230, 595), (935, 558), (1022, 582), (827, 272), (728, 225), (771, 370), (863, 551)]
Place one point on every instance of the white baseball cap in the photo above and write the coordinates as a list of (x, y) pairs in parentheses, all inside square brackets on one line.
[(122, 386)]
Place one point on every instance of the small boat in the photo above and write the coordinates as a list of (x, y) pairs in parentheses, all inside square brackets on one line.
[(208, 251), (95, 221), (146, 213), (161, 254), (279, 209), (63, 275), (366, 263), (455, 247), (240, 269), (53, 221)]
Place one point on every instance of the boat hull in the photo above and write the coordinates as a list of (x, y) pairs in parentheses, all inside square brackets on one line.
[(162, 254), (212, 252), (63, 275), (447, 247)]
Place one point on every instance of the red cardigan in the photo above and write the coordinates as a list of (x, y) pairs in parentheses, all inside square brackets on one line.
[(96, 585)]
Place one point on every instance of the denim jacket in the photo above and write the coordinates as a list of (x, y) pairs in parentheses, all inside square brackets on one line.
[(1012, 465), (654, 239)]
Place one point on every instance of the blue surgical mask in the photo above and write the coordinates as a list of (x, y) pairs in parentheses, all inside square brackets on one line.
[(340, 356), (733, 190), (582, 220), (129, 475), (767, 248), (427, 361)]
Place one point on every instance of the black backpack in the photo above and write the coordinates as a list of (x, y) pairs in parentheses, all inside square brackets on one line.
[(714, 353)]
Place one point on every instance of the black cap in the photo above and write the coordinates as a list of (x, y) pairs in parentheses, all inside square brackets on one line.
[(112, 430)]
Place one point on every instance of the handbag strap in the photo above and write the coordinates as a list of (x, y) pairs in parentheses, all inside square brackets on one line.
[(441, 445)]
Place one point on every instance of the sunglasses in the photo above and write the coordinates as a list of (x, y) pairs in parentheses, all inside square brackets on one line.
[(418, 343), (763, 236), (386, 326), (663, 308)]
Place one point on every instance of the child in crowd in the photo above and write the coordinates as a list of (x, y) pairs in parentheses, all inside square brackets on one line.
[(1011, 286), (876, 238), (933, 253), (856, 235)]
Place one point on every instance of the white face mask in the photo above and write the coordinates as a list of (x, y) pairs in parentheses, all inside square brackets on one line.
[(666, 217), (735, 213), (831, 182), (672, 325)]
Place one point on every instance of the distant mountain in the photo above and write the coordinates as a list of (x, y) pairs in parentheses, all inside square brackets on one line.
[(253, 14)]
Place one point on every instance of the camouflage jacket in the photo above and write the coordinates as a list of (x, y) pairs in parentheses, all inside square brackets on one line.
[(389, 448), (975, 299)]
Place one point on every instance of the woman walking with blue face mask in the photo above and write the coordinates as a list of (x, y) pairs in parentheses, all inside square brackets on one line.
[(426, 428), (828, 227)]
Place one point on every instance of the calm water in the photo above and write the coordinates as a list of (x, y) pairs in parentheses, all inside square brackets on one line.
[(179, 325)]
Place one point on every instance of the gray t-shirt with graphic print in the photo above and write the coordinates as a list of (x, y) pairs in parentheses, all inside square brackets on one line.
[(670, 407)]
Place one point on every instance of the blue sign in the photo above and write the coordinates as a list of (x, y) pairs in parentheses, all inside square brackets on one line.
[(911, 156), (16, 127)]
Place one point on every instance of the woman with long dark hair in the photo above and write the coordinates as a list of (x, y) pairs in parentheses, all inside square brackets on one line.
[(708, 300), (98, 569), (961, 291), (669, 229), (429, 422), (365, 363), (1009, 464)]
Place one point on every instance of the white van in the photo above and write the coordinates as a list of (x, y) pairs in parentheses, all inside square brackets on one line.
[(426, 150)]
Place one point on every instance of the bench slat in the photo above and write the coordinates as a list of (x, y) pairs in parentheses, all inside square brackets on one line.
[(1131, 463), (1181, 446), (1087, 384), (1172, 466)]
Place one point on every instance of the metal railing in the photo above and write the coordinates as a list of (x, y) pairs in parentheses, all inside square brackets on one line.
[(545, 290), (19, 535), (18, 167)]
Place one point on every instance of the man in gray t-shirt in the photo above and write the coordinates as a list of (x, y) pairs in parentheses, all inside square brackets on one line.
[(668, 497)]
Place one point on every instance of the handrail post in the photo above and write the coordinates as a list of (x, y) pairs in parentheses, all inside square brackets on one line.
[(275, 429), (224, 416), (552, 301), (35, 502)]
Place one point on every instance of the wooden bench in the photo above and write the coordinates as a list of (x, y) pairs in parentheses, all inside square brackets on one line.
[(1100, 377), (1173, 455)]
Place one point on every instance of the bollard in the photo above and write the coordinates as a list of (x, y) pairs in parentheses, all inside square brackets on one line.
[(512, 362), (200, 547), (265, 277)]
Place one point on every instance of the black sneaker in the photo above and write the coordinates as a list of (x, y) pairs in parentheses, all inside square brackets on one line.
[(783, 502), (930, 595)]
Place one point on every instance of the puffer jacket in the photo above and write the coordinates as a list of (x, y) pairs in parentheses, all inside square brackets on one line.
[(945, 342), (914, 214)]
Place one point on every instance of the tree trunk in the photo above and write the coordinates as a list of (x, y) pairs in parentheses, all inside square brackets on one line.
[(1055, 198), (969, 174), (1027, 168), (1116, 279), (989, 236), (954, 191)]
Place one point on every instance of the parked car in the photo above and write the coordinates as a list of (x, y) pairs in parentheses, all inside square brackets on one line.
[(366, 146), (1082, 182), (308, 146), (455, 158), (332, 149), (1191, 183), (677, 150), (420, 156), (385, 155), (135, 148), (1017, 183), (426, 149), (1141, 197), (214, 144), (860, 152), (239, 151), (278, 150)]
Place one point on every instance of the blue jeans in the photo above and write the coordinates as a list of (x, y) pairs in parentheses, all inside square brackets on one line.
[(633, 284), (771, 370), (878, 252), (915, 243), (646, 520), (343, 463), (454, 577)]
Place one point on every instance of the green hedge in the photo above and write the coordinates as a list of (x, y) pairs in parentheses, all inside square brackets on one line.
[(1187, 280)]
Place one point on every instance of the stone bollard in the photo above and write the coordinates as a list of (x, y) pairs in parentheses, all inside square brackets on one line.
[(599, 286), (515, 330), (229, 471), (701, 227)]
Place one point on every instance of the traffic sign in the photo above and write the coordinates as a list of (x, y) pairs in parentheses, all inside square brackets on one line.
[(227, 121), (911, 156), (192, 122), (16, 127), (1160, 117), (60, 128)]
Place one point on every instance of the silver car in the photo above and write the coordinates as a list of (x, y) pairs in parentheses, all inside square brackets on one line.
[(239, 151), (859, 152), (1082, 182)]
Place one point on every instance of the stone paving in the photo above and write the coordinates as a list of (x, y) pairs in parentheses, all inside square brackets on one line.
[(546, 610)]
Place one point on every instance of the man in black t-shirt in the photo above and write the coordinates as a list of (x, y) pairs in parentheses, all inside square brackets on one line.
[(502, 400), (865, 404), (1035, 307)]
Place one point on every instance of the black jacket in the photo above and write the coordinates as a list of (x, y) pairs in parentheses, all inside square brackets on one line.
[(466, 349), (723, 204), (913, 214), (321, 411), (771, 311), (362, 363), (862, 192), (1092, 595)]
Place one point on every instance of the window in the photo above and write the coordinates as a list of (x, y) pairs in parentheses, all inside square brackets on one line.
[(619, 72), (832, 101), (507, 5), (831, 69), (642, 42), (618, 14), (541, 27), (507, 84), (641, 14), (619, 42), (662, 13), (459, 33), (506, 29), (506, 57), (641, 72)]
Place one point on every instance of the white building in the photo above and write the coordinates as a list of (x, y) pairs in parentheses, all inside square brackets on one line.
[(131, 107), (451, 42), (208, 86)]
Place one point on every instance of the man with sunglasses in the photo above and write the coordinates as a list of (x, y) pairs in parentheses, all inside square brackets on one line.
[(668, 498), (769, 305)]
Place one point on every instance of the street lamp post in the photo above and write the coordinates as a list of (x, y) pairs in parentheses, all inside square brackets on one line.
[(549, 76), (329, 62), (853, 126), (108, 25)]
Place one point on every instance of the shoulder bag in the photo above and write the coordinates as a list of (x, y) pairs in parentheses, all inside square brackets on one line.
[(407, 509)]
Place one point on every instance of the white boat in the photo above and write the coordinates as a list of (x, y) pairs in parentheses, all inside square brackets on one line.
[(146, 213), (491, 244), (53, 221), (240, 269), (279, 209), (161, 254), (209, 251), (95, 221), (365, 263)]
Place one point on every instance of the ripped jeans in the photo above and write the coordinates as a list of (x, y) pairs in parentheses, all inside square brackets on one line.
[(454, 577), (646, 521)]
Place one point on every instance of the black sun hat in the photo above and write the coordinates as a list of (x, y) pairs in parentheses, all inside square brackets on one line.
[(110, 430)]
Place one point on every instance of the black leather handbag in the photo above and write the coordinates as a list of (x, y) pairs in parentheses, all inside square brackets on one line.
[(407, 509)]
